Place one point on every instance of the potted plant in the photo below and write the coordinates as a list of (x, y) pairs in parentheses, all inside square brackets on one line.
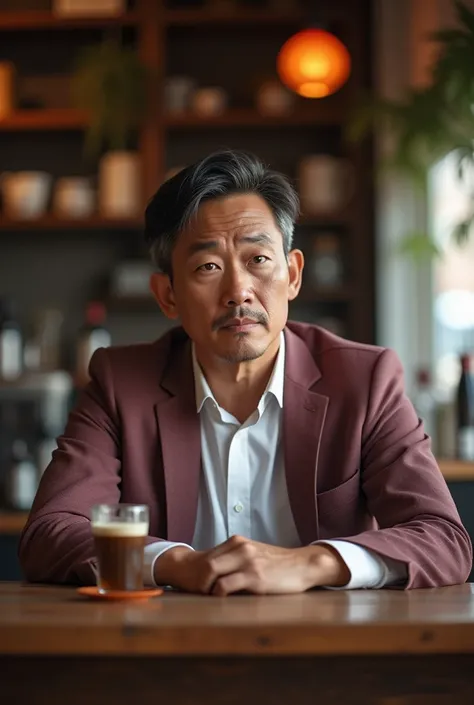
[(431, 122), (109, 82)]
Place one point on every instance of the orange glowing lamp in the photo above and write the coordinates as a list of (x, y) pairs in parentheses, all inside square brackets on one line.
[(313, 63)]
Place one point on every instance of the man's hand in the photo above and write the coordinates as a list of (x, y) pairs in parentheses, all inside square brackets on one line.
[(240, 564)]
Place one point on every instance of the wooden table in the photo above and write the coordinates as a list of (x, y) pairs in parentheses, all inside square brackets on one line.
[(320, 648)]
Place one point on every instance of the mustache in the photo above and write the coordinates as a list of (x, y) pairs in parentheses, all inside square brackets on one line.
[(240, 312)]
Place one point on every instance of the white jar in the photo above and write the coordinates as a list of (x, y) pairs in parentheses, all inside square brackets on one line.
[(274, 99), (326, 183), (25, 193), (209, 102), (74, 197), (120, 185)]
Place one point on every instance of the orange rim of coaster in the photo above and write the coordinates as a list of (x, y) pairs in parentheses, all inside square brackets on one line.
[(96, 594)]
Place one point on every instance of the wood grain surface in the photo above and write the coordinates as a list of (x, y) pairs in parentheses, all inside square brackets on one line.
[(36, 620)]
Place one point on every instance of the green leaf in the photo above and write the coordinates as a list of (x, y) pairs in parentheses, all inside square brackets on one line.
[(419, 247), (429, 123), (462, 231), (447, 35), (110, 83), (465, 15)]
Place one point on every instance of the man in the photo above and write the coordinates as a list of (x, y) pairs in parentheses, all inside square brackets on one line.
[(275, 457)]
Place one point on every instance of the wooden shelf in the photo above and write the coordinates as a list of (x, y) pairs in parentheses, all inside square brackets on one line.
[(456, 470), (72, 119), (243, 17), (338, 218), (324, 114), (45, 119), (43, 19), (12, 522), (133, 305), (311, 294), (50, 222)]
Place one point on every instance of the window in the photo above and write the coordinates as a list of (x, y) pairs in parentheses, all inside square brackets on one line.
[(453, 276)]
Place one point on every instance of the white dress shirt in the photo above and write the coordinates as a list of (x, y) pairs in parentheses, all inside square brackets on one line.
[(243, 490)]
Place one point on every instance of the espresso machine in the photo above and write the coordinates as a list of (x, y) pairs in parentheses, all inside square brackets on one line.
[(33, 410)]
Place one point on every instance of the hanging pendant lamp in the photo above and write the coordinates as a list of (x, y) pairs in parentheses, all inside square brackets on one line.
[(313, 63)]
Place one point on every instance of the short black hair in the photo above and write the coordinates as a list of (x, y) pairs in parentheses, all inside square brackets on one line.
[(218, 175)]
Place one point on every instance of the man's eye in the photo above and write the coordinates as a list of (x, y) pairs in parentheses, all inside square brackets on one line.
[(259, 259), (208, 267)]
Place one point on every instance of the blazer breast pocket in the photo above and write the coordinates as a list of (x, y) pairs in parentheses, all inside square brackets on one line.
[(342, 510)]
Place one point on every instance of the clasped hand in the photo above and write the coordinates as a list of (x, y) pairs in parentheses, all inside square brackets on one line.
[(242, 565)]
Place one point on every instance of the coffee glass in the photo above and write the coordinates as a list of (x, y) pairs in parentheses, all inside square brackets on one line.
[(119, 532)]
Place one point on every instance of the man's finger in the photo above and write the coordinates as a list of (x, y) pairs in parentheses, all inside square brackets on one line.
[(235, 582), (221, 565), (230, 545)]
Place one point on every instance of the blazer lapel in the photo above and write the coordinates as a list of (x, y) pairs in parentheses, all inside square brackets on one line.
[(179, 430), (304, 413)]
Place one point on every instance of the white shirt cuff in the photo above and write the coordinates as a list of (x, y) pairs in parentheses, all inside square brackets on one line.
[(367, 568), (152, 552)]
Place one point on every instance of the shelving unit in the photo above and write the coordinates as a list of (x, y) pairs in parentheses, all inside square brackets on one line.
[(50, 222), (71, 119), (247, 117), (245, 17), (37, 20), (12, 523), (46, 119), (176, 40), (456, 470)]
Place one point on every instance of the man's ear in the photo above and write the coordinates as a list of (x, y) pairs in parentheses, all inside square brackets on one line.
[(295, 268), (162, 290)]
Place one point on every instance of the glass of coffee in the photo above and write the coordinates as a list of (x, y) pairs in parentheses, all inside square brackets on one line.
[(119, 532)]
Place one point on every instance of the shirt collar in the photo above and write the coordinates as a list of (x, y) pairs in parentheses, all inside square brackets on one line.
[(275, 384)]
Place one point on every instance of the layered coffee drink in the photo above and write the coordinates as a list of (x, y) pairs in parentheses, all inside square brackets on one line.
[(119, 534)]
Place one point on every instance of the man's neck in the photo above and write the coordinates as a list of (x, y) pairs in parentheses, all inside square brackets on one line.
[(238, 387)]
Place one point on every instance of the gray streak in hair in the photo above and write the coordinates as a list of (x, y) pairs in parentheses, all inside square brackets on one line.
[(221, 174)]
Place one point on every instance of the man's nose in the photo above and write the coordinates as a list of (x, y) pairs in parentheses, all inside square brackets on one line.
[(237, 287)]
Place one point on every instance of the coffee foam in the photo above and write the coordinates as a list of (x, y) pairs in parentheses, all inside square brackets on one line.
[(120, 528)]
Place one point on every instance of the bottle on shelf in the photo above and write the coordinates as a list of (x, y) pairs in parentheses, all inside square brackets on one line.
[(93, 334), (465, 411), (45, 447), (425, 404), (11, 343), (21, 481), (326, 266)]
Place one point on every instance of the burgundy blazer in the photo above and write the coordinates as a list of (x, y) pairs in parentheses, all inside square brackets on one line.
[(358, 463)]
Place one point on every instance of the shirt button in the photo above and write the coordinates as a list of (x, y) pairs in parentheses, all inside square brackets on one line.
[(238, 508)]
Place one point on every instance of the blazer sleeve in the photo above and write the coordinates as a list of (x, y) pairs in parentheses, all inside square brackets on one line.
[(405, 490), (56, 544)]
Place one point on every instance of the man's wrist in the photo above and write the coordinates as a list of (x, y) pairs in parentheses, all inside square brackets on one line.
[(325, 567), (166, 570)]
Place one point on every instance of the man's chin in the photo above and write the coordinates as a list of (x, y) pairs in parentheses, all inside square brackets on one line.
[(242, 350)]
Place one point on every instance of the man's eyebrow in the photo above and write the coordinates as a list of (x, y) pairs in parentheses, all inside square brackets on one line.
[(205, 245), (257, 239), (202, 246)]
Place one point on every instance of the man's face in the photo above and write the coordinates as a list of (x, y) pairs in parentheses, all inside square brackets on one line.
[(231, 279)]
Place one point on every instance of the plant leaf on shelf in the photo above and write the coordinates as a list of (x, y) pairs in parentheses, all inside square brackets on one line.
[(419, 246), (109, 82), (429, 123), (462, 231)]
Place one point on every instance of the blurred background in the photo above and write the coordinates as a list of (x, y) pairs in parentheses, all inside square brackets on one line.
[(102, 100)]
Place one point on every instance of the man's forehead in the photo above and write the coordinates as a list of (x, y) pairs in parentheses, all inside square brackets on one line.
[(237, 221)]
